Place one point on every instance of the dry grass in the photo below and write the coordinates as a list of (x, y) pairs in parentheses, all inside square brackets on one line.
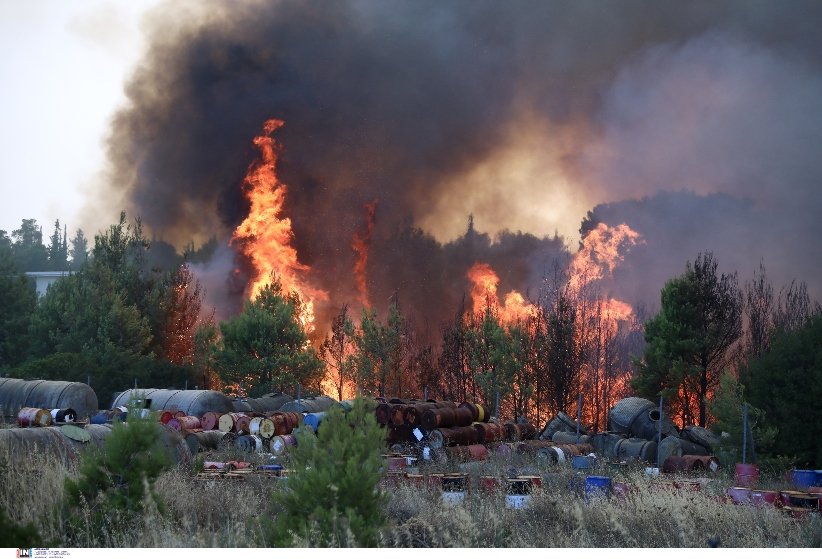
[(224, 513)]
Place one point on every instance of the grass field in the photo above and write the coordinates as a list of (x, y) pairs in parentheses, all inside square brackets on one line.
[(223, 513)]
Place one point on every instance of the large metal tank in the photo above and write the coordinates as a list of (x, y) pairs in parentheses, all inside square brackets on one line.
[(192, 402), (623, 414), (267, 402), (309, 405), (16, 394)]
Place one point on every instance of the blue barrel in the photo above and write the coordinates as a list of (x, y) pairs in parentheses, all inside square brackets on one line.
[(100, 418), (804, 478), (313, 420), (270, 467), (597, 487), (582, 462)]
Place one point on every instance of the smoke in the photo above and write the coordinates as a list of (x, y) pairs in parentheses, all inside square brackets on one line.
[(522, 115)]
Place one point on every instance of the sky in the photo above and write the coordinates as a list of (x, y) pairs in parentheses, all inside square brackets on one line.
[(62, 73)]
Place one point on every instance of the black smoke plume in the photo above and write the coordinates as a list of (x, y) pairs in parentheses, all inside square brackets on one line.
[(523, 114)]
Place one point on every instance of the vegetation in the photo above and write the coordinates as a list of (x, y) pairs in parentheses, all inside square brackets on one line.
[(332, 497), (689, 340), (265, 347)]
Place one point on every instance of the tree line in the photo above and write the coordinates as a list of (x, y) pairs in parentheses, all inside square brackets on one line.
[(119, 320)]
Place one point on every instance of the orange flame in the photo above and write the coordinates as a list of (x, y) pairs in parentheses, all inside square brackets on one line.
[(265, 236), (360, 243), (600, 253), (484, 294)]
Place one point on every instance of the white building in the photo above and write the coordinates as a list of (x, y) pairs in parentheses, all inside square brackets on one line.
[(43, 280)]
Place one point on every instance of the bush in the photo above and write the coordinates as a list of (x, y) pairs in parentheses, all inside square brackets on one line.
[(332, 499), (115, 485)]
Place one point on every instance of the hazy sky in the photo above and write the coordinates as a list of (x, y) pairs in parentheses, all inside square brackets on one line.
[(62, 70)]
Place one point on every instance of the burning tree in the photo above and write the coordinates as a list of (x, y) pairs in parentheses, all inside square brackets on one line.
[(265, 347), (689, 339), (337, 352)]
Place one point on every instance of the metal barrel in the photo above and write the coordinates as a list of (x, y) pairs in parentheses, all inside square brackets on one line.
[(262, 426), (437, 417), (646, 425), (249, 443), (228, 422), (166, 416), (559, 422), (472, 452), (475, 413), (210, 421), (314, 420), (33, 417), (746, 475), (636, 449), (280, 444), (597, 487), (383, 413), (515, 432), (701, 436), (65, 415), (397, 414), (624, 412), (16, 394), (242, 424), (188, 423), (604, 443)]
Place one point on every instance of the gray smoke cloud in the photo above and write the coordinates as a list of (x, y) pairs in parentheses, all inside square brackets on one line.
[(522, 114)]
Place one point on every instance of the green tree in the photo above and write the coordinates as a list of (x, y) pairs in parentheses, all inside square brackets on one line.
[(265, 347), (18, 300), (29, 251), (79, 250), (689, 339), (58, 249), (115, 484), (726, 408), (332, 497), (786, 383), (379, 356), (490, 355)]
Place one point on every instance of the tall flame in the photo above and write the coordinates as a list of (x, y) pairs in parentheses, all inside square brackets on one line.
[(360, 243), (484, 294), (265, 236), (601, 251)]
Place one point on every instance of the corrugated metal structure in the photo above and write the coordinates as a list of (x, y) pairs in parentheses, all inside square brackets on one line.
[(266, 403), (16, 394), (191, 402)]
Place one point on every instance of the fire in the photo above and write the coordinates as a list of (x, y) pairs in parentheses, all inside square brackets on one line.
[(484, 294), (600, 253), (360, 243), (265, 236)]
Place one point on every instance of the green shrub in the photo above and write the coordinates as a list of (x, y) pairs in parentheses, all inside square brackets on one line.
[(115, 484), (18, 535), (332, 498)]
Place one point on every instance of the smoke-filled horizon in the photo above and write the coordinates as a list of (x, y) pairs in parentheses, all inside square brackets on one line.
[(524, 115)]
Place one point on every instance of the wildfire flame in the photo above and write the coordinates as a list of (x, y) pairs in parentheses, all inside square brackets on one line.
[(602, 249), (484, 294), (265, 236), (360, 243)]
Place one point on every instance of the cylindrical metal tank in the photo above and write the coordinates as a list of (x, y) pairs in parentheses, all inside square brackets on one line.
[(191, 402), (564, 437), (203, 440), (268, 402), (605, 442), (623, 414), (646, 425), (16, 394), (636, 449), (560, 422), (702, 437), (309, 405)]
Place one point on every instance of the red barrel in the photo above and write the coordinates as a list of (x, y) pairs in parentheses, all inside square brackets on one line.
[(397, 414), (166, 416), (188, 423), (243, 424), (33, 417), (473, 408), (437, 417), (383, 413), (209, 420), (746, 475)]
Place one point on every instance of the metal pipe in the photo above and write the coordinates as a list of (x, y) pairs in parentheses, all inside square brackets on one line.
[(659, 434), (579, 413), (744, 433)]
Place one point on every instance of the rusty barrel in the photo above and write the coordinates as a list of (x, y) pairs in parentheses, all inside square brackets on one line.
[(262, 427), (532, 447), (383, 413), (473, 408), (489, 432), (281, 444), (397, 414), (489, 484), (519, 431), (166, 416), (33, 417), (413, 412), (228, 422), (437, 417), (187, 423), (746, 475), (210, 420)]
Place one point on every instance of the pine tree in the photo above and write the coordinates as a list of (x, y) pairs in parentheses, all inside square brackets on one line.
[(332, 498)]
